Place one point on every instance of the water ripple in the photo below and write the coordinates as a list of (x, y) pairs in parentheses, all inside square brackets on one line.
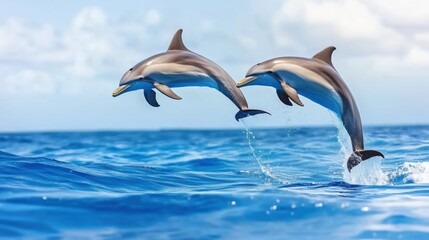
[(252, 184)]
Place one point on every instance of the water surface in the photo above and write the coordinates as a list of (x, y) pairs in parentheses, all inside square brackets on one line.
[(226, 184)]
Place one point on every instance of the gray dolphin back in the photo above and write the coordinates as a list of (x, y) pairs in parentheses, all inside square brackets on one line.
[(317, 79), (226, 84), (350, 113), (180, 67)]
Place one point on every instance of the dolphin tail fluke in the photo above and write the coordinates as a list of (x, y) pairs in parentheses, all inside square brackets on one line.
[(361, 155), (248, 112)]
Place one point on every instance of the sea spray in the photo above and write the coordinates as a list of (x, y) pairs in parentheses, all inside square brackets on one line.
[(146, 186), (367, 172), (262, 163), (411, 172)]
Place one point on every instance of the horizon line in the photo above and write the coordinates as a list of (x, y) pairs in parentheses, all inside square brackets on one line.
[(208, 128)]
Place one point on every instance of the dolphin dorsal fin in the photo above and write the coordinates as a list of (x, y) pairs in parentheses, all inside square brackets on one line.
[(325, 55), (177, 43)]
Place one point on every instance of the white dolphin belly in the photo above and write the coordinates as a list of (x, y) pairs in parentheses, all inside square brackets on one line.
[(185, 80), (325, 97), (312, 86)]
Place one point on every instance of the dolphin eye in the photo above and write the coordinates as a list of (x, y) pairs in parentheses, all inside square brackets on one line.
[(131, 69)]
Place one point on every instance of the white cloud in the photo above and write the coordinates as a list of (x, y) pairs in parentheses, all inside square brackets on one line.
[(422, 38), (418, 56), (153, 17), (402, 13), (19, 39), (79, 48), (207, 25), (90, 47), (29, 81), (89, 42), (247, 43), (372, 30), (89, 18), (348, 24)]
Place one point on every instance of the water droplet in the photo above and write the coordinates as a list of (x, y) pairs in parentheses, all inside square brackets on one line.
[(364, 209), (233, 203), (277, 200), (293, 205), (344, 205), (318, 205), (44, 197), (274, 207), (267, 212)]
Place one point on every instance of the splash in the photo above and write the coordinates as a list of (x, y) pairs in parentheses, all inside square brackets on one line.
[(366, 173), (262, 163), (370, 172), (411, 172)]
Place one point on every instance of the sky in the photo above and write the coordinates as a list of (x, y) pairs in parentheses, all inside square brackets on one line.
[(61, 60)]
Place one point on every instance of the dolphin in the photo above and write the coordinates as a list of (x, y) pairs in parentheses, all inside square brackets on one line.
[(318, 80), (179, 67)]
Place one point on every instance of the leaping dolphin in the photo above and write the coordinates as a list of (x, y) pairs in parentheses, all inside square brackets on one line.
[(179, 67), (318, 80)]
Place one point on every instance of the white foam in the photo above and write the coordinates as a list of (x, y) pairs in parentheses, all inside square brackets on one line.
[(368, 172), (415, 172)]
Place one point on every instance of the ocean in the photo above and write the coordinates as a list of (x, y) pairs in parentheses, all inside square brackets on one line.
[(288, 183)]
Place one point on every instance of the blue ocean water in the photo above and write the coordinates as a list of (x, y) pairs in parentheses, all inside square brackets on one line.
[(229, 184)]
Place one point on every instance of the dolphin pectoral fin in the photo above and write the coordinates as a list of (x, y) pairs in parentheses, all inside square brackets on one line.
[(291, 93), (361, 155), (248, 112), (150, 96), (284, 97), (164, 89)]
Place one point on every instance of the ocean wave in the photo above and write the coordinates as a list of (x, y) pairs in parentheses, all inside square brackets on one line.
[(411, 172), (174, 184)]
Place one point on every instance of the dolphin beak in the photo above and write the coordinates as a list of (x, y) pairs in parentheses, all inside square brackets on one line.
[(120, 90), (245, 81)]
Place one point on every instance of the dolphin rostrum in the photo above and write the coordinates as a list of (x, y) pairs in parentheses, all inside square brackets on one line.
[(319, 81), (179, 67)]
